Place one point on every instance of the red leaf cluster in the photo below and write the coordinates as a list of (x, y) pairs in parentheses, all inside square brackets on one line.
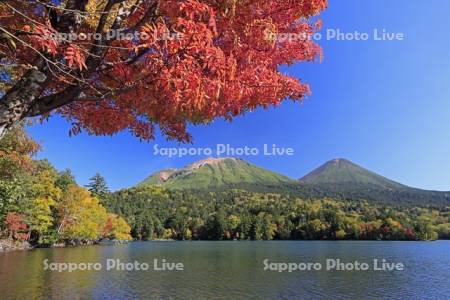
[(200, 60), (15, 226)]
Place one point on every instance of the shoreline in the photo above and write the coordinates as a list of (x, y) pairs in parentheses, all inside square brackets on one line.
[(28, 247), (7, 246)]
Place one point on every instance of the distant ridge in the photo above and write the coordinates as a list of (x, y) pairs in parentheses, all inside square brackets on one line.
[(214, 173), (338, 178)]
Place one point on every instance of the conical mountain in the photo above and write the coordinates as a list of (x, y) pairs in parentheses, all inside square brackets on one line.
[(215, 173), (343, 172), (340, 178)]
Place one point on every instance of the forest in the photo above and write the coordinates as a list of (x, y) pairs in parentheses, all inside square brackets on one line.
[(156, 213), (40, 206)]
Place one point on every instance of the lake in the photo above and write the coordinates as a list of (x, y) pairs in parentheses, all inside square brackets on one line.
[(231, 270)]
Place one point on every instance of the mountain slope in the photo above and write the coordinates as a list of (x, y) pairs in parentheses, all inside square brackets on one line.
[(340, 178), (215, 173), (337, 179), (342, 171)]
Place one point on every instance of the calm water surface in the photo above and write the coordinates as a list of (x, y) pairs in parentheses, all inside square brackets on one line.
[(231, 270)]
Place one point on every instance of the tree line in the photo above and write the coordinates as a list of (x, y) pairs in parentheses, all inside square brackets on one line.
[(156, 213)]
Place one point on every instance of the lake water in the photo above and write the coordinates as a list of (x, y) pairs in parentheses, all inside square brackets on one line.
[(231, 270)]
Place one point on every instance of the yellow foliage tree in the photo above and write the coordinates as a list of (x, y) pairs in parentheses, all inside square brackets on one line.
[(168, 234), (82, 217), (120, 230), (47, 194)]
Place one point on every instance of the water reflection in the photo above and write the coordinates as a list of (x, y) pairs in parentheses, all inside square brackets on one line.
[(231, 270)]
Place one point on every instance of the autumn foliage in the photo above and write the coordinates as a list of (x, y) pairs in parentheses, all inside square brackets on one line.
[(43, 206), (16, 150), (15, 227), (189, 61)]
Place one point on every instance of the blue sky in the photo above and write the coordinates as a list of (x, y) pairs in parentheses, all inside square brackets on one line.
[(382, 104)]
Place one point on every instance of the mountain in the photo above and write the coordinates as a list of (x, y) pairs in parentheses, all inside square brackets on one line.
[(342, 171), (337, 179), (215, 173), (340, 178)]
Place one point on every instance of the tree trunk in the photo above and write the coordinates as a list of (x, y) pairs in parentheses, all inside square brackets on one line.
[(17, 102), (23, 100)]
